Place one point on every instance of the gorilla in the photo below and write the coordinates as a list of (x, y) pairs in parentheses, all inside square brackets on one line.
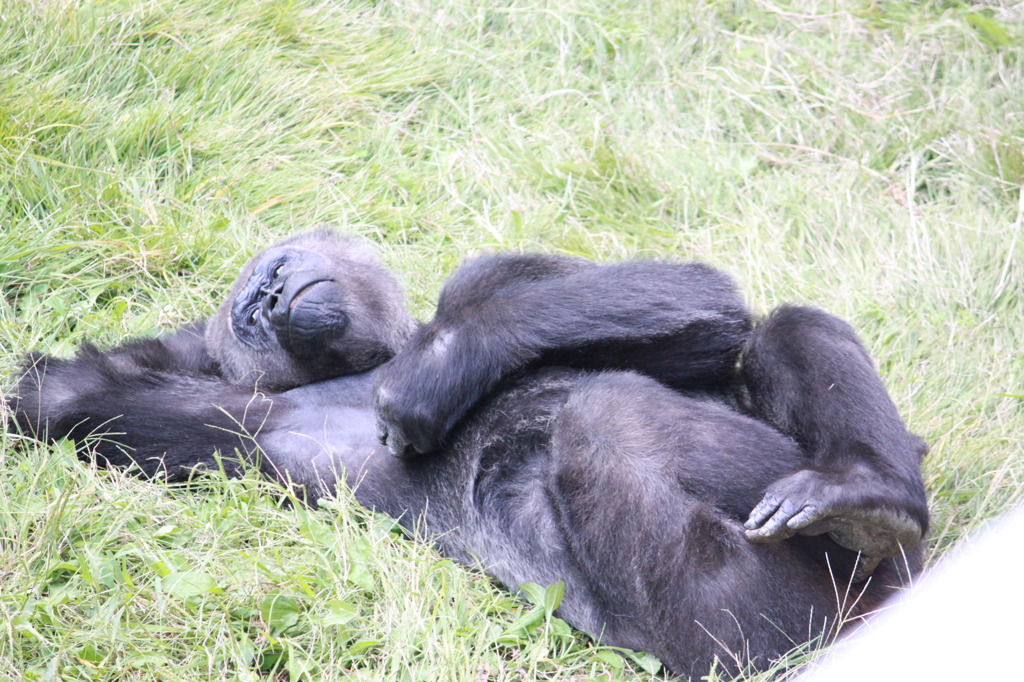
[(708, 490)]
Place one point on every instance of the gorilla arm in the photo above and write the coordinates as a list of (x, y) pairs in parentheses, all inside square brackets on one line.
[(808, 375), (154, 405), (682, 323), (315, 306), (157, 403)]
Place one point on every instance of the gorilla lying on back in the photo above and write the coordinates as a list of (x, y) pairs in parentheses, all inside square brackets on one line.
[(706, 490)]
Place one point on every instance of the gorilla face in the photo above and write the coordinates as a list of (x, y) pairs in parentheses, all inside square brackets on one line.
[(291, 298), (313, 307)]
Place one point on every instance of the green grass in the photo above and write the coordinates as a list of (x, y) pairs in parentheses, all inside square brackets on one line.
[(866, 157)]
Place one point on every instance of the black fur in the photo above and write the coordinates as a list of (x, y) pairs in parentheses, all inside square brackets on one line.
[(558, 420)]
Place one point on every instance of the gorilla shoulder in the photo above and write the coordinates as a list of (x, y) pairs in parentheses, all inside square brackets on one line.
[(313, 307)]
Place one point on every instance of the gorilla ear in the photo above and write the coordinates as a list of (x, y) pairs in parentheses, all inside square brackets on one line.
[(279, 326)]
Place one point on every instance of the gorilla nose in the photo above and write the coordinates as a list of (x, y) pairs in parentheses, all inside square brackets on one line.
[(274, 296), (286, 292)]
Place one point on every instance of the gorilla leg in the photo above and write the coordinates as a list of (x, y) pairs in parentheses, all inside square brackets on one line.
[(649, 488), (808, 375)]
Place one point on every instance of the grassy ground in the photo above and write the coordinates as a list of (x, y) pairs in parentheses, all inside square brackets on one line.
[(866, 157)]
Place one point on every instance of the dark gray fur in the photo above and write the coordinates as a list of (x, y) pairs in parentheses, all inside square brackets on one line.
[(558, 420)]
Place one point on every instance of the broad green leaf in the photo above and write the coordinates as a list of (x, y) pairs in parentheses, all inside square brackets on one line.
[(340, 613), (269, 658), (91, 654), (533, 592), (361, 646), (647, 662), (360, 576), (531, 619), (185, 584), (280, 611), (611, 659), (553, 596)]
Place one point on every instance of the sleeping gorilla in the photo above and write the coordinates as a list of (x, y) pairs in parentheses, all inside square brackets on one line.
[(558, 420)]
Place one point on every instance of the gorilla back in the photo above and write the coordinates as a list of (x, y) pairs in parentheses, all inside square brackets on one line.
[(558, 420)]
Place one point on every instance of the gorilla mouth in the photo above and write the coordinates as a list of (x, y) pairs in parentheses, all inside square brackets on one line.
[(304, 308), (305, 320), (303, 290)]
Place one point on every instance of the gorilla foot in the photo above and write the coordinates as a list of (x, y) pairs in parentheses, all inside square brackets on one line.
[(815, 503)]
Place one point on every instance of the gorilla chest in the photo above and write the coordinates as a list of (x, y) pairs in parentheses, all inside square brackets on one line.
[(489, 492)]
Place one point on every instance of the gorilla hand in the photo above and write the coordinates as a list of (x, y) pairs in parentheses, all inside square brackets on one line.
[(425, 390), (493, 318)]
